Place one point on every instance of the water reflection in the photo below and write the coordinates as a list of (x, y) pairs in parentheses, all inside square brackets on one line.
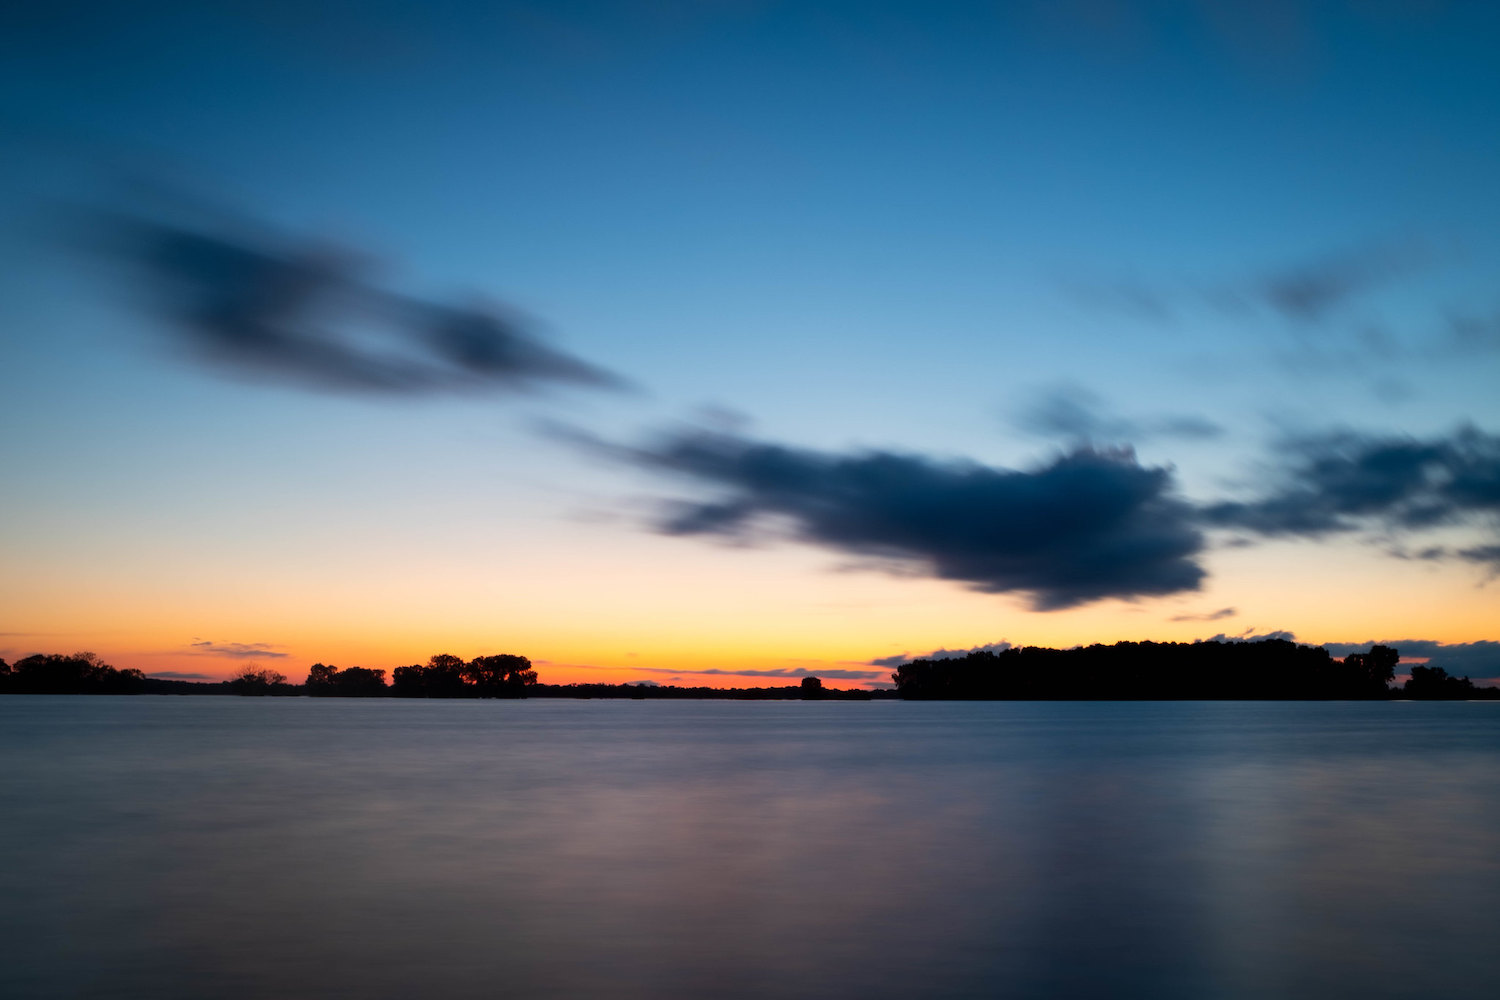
[(249, 848)]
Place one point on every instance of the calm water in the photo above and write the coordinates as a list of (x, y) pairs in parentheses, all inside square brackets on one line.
[(226, 848)]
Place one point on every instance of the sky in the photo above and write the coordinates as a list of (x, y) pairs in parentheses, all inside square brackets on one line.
[(731, 343)]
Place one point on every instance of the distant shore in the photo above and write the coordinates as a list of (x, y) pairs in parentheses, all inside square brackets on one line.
[(1264, 670)]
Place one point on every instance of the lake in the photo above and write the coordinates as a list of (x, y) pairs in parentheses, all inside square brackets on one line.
[(160, 847)]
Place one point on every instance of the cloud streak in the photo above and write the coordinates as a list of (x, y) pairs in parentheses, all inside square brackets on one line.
[(1092, 524), (1343, 482), (1308, 292), (940, 654), (1208, 616), (1075, 414), (262, 304), (1305, 293), (235, 650)]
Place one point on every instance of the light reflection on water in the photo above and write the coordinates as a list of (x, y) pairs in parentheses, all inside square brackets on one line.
[(222, 847)]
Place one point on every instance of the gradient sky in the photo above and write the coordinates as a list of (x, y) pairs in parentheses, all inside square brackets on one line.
[(751, 253)]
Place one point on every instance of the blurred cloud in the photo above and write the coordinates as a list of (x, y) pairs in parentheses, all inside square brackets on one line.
[(234, 650), (1306, 292), (1079, 415), (1209, 616), (941, 654), (1309, 291), (1090, 525), (1249, 635), (1342, 482), (179, 675), (259, 303)]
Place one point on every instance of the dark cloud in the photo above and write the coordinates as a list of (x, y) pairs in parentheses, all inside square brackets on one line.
[(1093, 524), (262, 304), (179, 675), (1343, 482), (940, 654), (1486, 554), (1208, 616), (1479, 660), (234, 650), (1076, 414)]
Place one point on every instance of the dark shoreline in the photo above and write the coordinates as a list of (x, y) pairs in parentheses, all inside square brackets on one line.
[(1263, 670)]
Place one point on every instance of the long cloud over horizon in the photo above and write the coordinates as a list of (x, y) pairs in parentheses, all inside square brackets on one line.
[(1089, 525), (1340, 483)]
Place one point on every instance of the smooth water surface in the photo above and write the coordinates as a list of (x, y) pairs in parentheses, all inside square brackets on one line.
[(159, 847)]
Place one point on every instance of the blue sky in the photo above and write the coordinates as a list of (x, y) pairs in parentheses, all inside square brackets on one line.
[(1201, 230)]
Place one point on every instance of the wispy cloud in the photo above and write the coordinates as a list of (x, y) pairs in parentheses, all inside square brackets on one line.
[(1250, 635), (1306, 292), (940, 654), (1309, 291), (234, 650), (1343, 482), (1207, 616), (1078, 415)]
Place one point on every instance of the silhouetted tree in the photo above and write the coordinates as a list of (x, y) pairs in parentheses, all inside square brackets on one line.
[(503, 675), (80, 673), (352, 682), (320, 679), (1377, 668), (263, 681), (442, 677), (1434, 682), (812, 687)]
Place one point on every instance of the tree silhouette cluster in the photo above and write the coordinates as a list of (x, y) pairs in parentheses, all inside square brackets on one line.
[(1270, 668), (1434, 682), (56, 673), (260, 681), (324, 681), (503, 675), (1267, 669)]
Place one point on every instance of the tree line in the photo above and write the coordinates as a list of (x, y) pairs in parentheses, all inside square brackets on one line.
[(1267, 669)]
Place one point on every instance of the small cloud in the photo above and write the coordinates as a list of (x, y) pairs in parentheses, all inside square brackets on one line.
[(1209, 616), (1307, 292), (1247, 636), (234, 650), (941, 654), (1078, 415)]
